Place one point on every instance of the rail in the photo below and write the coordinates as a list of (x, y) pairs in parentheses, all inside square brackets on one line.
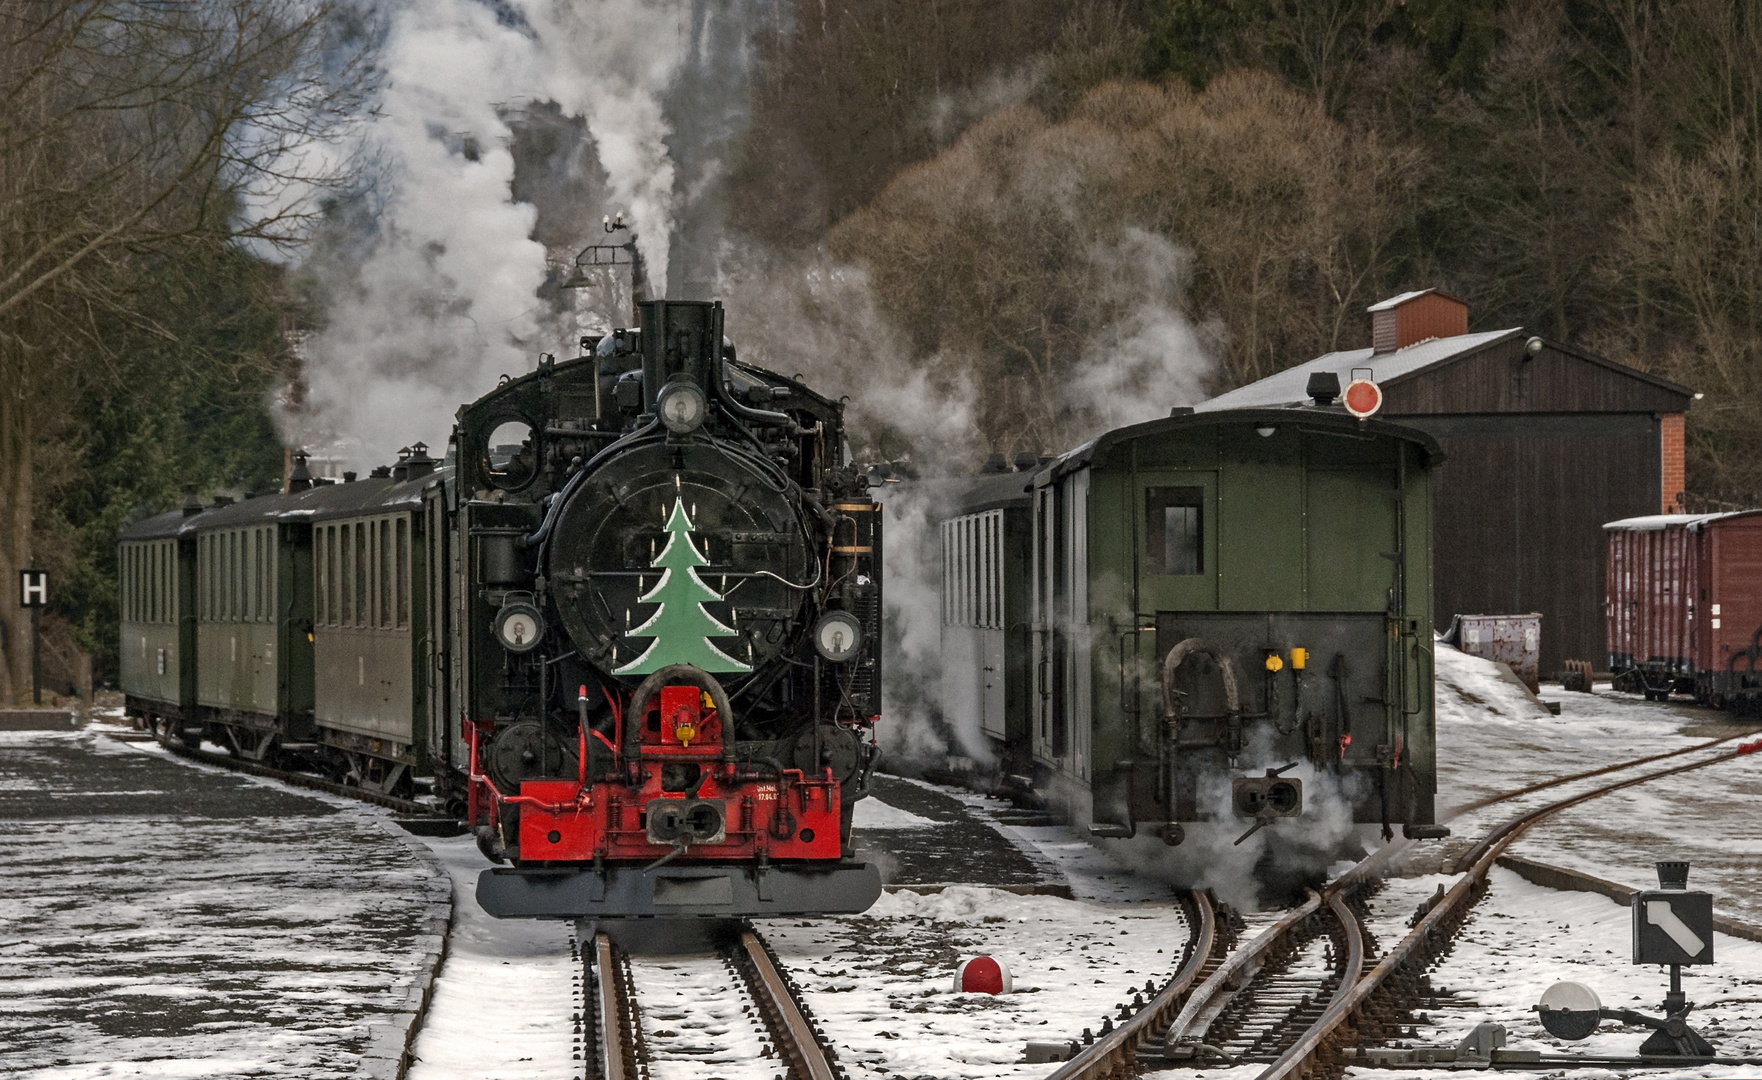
[(798, 1041), (1116, 1051), (1315, 1053)]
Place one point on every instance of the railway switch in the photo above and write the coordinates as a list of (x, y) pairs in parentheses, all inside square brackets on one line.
[(1671, 926)]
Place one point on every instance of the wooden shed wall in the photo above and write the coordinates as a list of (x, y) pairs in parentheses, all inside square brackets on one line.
[(1521, 502), (1499, 379)]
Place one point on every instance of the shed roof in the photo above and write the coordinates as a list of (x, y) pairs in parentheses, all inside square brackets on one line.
[(1691, 522), (1289, 387), (1394, 302)]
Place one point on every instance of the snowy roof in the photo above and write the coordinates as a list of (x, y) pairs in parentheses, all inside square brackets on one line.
[(1692, 522), (1396, 301), (1289, 387)]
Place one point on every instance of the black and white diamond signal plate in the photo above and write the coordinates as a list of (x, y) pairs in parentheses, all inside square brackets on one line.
[(1673, 926)]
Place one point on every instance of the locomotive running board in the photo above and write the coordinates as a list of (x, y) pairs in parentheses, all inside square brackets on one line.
[(679, 892)]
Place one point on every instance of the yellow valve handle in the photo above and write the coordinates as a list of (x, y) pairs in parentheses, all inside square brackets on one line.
[(1274, 663), (685, 733)]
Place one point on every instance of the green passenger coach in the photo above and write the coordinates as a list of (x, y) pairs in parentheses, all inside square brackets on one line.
[(1227, 618)]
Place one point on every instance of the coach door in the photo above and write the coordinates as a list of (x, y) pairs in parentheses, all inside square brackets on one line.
[(1051, 729), (1061, 609)]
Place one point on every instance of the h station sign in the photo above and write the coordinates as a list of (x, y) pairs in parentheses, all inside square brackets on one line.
[(33, 588), (33, 593)]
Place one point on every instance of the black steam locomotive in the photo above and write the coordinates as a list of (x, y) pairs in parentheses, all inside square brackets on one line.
[(629, 632)]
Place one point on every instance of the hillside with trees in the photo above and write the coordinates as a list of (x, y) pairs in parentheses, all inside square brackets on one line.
[(1012, 222), (1590, 170)]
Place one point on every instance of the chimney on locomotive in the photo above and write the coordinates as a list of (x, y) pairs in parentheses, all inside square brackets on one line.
[(681, 347)]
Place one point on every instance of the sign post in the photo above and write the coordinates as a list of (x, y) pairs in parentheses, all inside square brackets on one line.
[(33, 593)]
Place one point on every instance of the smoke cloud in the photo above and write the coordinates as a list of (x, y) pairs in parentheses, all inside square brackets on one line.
[(502, 133)]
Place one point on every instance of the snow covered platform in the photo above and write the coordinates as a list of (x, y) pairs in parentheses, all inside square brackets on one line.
[(166, 919)]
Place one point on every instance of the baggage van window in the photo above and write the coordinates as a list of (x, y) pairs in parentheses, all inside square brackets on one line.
[(1175, 540)]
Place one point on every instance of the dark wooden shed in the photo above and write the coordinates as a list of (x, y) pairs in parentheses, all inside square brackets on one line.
[(1544, 443)]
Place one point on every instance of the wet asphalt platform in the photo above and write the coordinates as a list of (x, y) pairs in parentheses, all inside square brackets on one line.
[(165, 919), (963, 847)]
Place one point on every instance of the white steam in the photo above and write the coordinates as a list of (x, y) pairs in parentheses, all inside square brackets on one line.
[(444, 298), (1151, 358)]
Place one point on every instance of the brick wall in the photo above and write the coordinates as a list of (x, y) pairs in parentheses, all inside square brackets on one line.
[(1670, 446)]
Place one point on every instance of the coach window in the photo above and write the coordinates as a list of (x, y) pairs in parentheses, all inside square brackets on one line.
[(1173, 518), (346, 575), (361, 613), (235, 547), (333, 570), (235, 578), (385, 573), (401, 546)]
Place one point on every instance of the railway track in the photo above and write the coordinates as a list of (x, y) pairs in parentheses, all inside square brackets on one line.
[(781, 1039), (1302, 996)]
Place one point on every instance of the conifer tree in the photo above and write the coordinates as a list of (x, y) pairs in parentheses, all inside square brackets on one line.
[(680, 627)]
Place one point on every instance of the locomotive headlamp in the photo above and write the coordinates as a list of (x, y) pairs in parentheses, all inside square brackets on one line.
[(682, 407), (837, 636), (519, 627)]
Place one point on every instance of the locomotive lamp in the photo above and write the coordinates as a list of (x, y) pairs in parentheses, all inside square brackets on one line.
[(837, 636), (682, 407), (519, 626)]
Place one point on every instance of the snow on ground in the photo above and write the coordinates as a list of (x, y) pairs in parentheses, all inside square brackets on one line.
[(875, 814), (1523, 938), (507, 992), (881, 983), (166, 919), (698, 1020), (1492, 739)]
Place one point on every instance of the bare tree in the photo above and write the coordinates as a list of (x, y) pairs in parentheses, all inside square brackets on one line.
[(128, 128), (1019, 253)]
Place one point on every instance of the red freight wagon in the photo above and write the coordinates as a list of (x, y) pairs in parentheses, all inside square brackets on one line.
[(1684, 605)]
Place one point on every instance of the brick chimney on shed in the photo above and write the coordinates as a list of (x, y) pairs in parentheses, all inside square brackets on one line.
[(1414, 317)]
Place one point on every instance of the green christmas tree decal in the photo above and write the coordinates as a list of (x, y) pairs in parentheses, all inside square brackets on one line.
[(680, 627)]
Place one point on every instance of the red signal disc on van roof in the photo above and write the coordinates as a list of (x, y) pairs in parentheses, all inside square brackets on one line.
[(1363, 398)]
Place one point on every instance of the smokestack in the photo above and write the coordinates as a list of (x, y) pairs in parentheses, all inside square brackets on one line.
[(1414, 317), (299, 479)]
